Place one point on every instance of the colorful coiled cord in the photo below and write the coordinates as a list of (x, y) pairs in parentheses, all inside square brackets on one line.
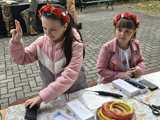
[(115, 110)]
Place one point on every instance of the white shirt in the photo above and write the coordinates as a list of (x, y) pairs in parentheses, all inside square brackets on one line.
[(125, 55)]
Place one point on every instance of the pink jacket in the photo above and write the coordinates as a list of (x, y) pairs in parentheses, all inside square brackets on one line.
[(108, 62), (51, 60)]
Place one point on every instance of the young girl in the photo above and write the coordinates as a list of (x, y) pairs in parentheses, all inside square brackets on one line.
[(121, 57), (59, 53)]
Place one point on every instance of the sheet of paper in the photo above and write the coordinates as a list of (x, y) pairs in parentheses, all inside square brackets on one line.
[(102, 87), (60, 115), (81, 111), (61, 118), (93, 101)]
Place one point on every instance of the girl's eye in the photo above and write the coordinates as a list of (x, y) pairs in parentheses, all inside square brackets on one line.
[(51, 30), (128, 32)]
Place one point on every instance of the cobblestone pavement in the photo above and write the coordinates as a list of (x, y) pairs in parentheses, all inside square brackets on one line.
[(22, 81)]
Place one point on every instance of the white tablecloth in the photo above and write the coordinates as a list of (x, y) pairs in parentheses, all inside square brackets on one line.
[(92, 101)]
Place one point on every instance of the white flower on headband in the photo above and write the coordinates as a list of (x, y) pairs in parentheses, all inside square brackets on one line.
[(64, 13), (122, 15)]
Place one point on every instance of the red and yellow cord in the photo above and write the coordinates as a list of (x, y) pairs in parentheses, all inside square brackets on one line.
[(115, 110)]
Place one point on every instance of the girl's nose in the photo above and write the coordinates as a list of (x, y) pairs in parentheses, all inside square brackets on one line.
[(122, 33)]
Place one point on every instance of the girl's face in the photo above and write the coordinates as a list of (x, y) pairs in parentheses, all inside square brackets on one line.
[(124, 35), (53, 29)]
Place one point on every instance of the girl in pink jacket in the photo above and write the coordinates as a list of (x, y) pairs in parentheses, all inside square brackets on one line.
[(121, 57), (59, 53)]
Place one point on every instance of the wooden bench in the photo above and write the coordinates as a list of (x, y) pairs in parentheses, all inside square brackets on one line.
[(84, 3)]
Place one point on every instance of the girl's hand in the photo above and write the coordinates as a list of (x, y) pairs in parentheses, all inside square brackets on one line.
[(33, 101), (125, 75), (136, 71), (16, 33)]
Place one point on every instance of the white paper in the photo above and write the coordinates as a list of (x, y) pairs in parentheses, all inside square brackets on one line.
[(100, 87), (60, 115), (93, 101), (60, 118), (80, 110)]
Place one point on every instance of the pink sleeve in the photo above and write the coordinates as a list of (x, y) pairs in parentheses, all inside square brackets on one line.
[(140, 63), (68, 76), (103, 60), (21, 55)]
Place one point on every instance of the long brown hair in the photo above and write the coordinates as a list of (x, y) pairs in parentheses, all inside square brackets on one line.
[(68, 34)]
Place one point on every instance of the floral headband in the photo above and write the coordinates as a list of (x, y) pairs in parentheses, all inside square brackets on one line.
[(57, 11), (128, 16)]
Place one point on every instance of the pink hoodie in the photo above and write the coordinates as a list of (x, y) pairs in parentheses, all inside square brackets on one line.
[(51, 60), (109, 65)]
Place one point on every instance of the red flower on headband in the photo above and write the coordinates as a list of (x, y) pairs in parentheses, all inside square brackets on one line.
[(126, 15), (54, 10)]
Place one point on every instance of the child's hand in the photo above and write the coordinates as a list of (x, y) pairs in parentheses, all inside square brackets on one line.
[(136, 72), (33, 101), (125, 75), (16, 33)]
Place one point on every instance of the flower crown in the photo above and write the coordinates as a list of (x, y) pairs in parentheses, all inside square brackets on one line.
[(57, 11), (128, 16)]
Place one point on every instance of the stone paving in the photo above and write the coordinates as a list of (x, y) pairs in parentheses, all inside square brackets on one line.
[(22, 81)]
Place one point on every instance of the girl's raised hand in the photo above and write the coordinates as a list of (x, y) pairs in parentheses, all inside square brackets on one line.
[(16, 33)]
